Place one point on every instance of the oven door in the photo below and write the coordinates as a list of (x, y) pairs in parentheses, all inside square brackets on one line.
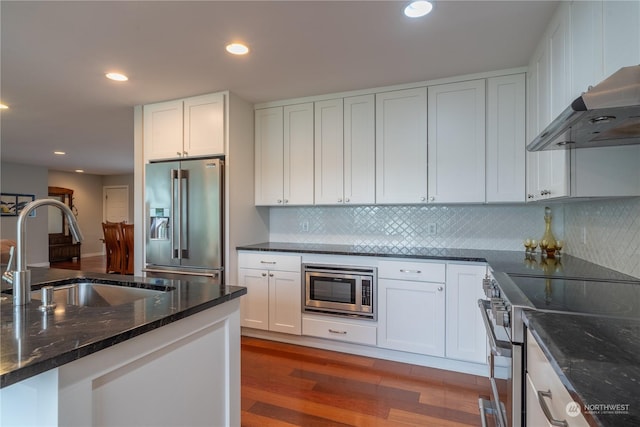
[(333, 292), (501, 410)]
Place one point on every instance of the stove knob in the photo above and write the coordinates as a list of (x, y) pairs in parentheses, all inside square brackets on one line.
[(500, 314), (506, 319)]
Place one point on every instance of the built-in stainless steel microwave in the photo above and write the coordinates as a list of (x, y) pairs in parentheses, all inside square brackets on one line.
[(340, 290)]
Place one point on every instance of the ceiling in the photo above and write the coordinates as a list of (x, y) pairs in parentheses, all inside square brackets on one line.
[(55, 54)]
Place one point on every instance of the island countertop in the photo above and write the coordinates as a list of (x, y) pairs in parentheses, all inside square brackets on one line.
[(34, 342)]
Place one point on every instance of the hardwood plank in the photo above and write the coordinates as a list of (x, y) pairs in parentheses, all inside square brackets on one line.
[(304, 386)]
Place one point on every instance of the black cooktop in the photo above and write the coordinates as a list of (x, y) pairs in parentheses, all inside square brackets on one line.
[(593, 297)]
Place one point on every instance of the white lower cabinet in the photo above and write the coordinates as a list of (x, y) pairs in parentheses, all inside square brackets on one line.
[(411, 314), (546, 393), (465, 334), (274, 292), (354, 331)]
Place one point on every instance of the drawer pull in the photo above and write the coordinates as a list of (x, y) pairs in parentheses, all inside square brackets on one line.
[(333, 331), (410, 271), (547, 412), (268, 262)]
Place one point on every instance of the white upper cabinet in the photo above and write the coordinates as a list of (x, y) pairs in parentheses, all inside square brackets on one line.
[(269, 156), (284, 155), (298, 154), (345, 151), (359, 150), (190, 127), (456, 167), (506, 139), (401, 146), (605, 36)]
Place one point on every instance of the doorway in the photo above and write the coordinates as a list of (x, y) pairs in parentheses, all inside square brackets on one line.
[(116, 203)]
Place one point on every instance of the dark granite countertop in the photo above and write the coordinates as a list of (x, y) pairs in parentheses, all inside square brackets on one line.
[(511, 262), (598, 361), (33, 342)]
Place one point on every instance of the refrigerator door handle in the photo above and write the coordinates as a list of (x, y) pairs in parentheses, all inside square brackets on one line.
[(183, 202), (174, 177)]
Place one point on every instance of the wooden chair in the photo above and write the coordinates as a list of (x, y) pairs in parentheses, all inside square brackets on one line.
[(113, 243), (127, 248)]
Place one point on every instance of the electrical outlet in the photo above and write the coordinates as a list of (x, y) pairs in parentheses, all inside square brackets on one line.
[(304, 225), (432, 229)]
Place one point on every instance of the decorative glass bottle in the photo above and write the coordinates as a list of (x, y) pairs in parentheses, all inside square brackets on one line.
[(548, 241)]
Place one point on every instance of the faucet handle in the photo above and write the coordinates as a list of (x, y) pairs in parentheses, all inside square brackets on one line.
[(12, 249), (7, 276)]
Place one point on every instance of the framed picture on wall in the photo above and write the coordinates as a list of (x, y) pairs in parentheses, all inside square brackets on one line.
[(8, 204), (22, 200)]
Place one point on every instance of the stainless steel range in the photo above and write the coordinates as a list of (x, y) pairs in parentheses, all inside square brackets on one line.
[(509, 295)]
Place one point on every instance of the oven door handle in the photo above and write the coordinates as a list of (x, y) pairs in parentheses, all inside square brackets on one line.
[(498, 348)]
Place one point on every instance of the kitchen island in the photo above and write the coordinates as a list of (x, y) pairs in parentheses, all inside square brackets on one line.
[(169, 359)]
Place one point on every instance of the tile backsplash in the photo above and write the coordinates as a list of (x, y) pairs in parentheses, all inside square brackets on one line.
[(499, 227), (605, 232)]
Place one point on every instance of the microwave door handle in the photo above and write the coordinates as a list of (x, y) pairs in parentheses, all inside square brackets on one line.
[(499, 348)]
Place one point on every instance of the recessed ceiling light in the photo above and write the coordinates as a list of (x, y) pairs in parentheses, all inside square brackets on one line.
[(418, 8), (237, 49), (59, 153), (117, 77), (4, 107), (80, 170)]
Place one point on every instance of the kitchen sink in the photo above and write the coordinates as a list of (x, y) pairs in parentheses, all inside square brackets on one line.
[(99, 294)]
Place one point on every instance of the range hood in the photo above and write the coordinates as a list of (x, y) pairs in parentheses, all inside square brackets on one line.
[(608, 114)]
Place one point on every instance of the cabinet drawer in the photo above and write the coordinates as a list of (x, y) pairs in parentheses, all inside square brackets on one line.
[(543, 378), (415, 271), (341, 331), (269, 261)]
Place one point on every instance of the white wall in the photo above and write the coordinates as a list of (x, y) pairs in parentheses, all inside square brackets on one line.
[(23, 179)]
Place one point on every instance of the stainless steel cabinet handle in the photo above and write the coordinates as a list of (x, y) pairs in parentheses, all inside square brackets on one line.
[(410, 271), (547, 412), (333, 331), (268, 262)]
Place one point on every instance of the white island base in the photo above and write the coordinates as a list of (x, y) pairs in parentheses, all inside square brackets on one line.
[(183, 373)]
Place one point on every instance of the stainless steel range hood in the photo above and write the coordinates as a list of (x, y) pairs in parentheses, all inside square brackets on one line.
[(608, 114)]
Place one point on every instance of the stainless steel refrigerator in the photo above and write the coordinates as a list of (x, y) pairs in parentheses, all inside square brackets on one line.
[(184, 218)]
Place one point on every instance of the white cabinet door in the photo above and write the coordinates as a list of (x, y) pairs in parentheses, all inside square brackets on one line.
[(411, 316), (586, 46), (559, 46), (359, 150), (254, 306), (466, 337), (506, 153), (621, 35), (401, 146), (457, 142), (329, 152), (162, 130), (269, 156), (204, 125), (298, 154), (285, 302)]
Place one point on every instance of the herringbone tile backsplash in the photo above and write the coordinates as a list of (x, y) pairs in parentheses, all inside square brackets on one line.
[(500, 227)]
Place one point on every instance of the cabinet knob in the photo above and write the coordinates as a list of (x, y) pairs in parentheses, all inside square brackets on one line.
[(423, 199), (347, 200), (185, 154), (431, 199), (270, 274), (279, 201), (530, 196), (440, 288), (339, 200), (286, 201), (264, 274), (179, 154)]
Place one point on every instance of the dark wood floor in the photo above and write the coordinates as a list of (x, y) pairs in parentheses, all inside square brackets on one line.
[(286, 385)]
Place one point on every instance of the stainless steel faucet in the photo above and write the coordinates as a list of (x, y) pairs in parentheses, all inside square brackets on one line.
[(21, 277)]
